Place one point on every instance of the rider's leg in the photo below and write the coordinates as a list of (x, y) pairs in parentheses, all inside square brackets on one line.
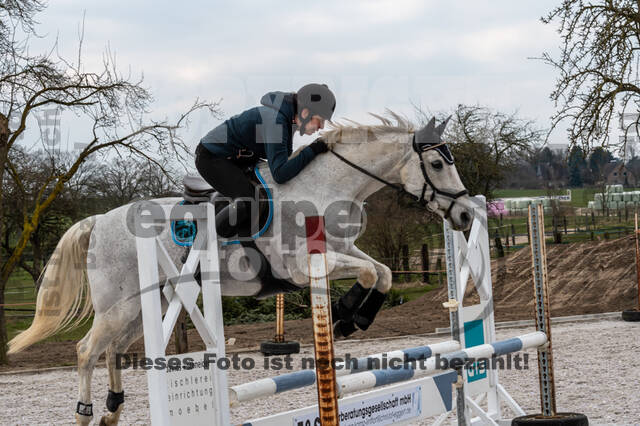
[(230, 180)]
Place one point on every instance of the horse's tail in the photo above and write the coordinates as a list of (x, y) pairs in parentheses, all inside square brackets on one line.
[(64, 298)]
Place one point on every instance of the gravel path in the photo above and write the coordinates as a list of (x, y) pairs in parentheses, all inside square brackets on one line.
[(595, 367)]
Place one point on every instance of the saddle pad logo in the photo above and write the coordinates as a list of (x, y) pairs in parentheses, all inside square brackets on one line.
[(183, 232)]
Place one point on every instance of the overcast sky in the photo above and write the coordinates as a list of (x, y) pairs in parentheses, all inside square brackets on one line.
[(373, 54)]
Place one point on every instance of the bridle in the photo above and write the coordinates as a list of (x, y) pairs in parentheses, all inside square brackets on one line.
[(418, 149)]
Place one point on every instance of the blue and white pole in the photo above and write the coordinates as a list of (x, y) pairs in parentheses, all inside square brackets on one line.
[(372, 379), (300, 379)]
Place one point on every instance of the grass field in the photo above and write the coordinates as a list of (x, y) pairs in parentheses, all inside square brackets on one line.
[(579, 196), (21, 290)]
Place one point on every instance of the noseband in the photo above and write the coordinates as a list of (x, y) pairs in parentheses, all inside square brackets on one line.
[(427, 181)]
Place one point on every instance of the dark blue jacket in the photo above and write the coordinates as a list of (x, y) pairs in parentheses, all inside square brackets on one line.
[(267, 131)]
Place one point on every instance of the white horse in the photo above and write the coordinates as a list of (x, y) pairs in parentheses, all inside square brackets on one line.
[(94, 266)]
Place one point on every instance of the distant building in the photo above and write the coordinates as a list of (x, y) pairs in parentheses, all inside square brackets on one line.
[(618, 174), (559, 148)]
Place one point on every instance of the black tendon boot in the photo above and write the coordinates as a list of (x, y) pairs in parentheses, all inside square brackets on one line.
[(345, 308), (343, 311), (343, 328), (367, 312)]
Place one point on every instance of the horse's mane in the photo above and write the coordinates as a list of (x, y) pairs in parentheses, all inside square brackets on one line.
[(350, 131)]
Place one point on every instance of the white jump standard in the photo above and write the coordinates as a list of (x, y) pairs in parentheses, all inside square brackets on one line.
[(410, 392)]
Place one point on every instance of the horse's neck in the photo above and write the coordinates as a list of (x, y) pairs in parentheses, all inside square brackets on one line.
[(328, 178), (381, 159)]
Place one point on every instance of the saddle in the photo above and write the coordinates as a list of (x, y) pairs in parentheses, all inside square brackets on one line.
[(197, 190)]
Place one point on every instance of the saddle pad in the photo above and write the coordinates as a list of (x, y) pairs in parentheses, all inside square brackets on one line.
[(183, 232)]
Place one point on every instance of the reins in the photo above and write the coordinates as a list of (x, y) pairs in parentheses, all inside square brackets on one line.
[(427, 181)]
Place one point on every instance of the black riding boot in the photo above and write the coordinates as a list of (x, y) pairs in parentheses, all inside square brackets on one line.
[(238, 212)]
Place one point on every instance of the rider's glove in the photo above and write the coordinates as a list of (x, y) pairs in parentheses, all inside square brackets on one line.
[(319, 146)]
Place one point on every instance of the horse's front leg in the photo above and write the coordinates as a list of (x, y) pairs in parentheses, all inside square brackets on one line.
[(384, 282), (344, 312), (367, 312)]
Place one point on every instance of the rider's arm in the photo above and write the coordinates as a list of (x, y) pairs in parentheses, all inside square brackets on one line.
[(276, 145)]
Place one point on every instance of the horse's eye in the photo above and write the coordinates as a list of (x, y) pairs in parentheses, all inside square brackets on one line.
[(436, 164)]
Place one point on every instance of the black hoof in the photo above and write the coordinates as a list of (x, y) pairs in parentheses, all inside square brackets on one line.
[(344, 329), (362, 322)]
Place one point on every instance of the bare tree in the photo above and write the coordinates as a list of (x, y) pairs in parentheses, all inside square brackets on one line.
[(487, 145), (116, 106), (393, 221), (123, 180), (598, 68)]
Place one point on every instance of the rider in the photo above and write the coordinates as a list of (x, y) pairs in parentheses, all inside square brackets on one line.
[(263, 132)]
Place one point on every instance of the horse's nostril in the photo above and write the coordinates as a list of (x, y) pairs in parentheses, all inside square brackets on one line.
[(465, 217)]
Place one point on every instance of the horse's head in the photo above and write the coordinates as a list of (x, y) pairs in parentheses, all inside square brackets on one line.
[(430, 175)]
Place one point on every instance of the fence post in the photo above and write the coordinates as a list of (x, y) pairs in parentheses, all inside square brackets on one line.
[(424, 254), (439, 268), (506, 240), (180, 333), (564, 220), (513, 234), (405, 261), (498, 241), (557, 238)]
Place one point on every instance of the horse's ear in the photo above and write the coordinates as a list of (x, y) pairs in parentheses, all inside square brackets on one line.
[(441, 127), (431, 125), (427, 135)]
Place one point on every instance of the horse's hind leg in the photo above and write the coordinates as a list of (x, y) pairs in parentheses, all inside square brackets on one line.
[(89, 349), (115, 399)]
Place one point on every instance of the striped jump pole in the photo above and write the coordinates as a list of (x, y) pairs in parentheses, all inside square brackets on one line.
[(549, 414), (322, 324), (372, 379), (543, 316), (300, 379), (633, 314)]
